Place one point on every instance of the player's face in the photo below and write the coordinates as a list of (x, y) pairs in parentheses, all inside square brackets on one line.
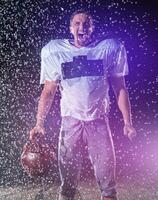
[(81, 27)]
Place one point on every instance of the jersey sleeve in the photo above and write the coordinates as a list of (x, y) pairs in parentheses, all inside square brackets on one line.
[(49, 66), (119, 65)]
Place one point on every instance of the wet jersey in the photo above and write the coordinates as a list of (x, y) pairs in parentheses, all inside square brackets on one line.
[(83, 74)]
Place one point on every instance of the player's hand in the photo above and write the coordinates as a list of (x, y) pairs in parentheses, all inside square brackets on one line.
[(129, 131), (36, 131)]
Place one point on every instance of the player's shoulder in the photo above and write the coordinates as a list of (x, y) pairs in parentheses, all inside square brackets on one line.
[(110, 42), (52, 46)]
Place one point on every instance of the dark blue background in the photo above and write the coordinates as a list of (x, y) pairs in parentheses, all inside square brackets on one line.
[(27, 26)]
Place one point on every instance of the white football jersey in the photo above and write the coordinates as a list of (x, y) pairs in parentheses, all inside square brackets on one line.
[(83, 74)]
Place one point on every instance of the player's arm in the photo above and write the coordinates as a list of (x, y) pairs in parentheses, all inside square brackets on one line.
[(44, 105), (122, 97)]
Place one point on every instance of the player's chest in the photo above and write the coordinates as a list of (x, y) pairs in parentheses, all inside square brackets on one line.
[(81, 63)]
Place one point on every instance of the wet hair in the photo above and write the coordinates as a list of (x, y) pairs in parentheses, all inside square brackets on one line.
[(80, 11)]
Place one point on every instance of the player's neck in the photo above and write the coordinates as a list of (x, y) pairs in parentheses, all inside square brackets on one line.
[(78, 45)]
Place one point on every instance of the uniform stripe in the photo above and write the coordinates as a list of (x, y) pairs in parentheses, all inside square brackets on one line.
[(81, 67)]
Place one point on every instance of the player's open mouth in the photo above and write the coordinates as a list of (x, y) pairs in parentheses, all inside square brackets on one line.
[(82, 36)]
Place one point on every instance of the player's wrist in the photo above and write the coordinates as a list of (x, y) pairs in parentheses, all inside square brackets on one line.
[(127, 122), (40, 122)]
